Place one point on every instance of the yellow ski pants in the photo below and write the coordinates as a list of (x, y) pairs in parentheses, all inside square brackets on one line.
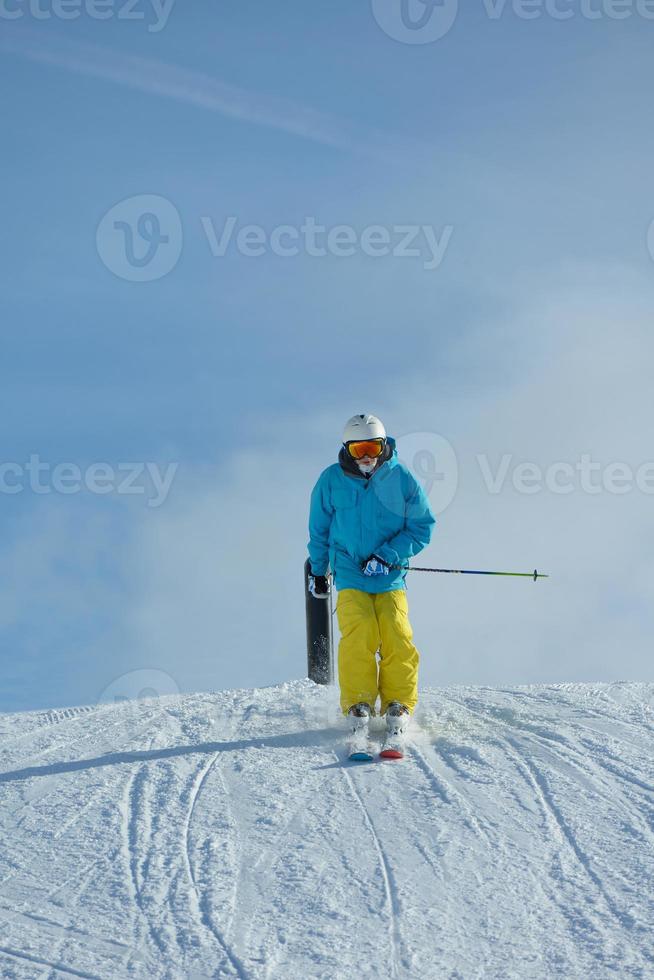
[(371, 623)]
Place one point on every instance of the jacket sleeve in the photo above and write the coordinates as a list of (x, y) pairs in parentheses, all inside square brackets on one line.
[(419, 523), (320, 519)]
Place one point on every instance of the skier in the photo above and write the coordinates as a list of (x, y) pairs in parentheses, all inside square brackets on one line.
[(368, 517)]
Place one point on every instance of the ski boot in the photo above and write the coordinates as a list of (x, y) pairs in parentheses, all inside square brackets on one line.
[(358, 717), (397, 723)]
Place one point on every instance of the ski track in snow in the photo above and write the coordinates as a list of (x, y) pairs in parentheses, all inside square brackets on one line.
[(390, 888), (202, 906), (529, 745), (226, 835)]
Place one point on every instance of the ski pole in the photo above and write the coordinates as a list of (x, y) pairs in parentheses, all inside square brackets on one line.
[(460, 571)]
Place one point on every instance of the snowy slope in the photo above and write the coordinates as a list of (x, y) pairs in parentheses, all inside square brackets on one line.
[(222, 835)]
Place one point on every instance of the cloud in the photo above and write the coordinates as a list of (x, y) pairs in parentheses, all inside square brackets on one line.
[(220, 580), (217, 596), (208, 588), (567, 376), (191, 88), (61, 601)]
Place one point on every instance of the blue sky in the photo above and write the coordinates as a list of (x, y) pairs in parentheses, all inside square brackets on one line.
[(528, 139)]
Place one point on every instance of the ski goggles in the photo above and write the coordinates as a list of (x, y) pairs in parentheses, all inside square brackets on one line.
[(369, 447)]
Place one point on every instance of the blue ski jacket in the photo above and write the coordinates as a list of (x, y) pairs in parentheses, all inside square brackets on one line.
[(353, 517)]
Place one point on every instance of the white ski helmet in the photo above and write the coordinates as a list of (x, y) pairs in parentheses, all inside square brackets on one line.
[(362, 427)]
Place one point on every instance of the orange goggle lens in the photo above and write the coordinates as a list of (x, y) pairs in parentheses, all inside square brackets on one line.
[(372, 447)]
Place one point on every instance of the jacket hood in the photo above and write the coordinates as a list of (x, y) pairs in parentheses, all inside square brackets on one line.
[(349, 466)]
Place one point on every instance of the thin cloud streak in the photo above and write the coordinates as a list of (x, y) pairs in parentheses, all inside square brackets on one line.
[(189, 87)]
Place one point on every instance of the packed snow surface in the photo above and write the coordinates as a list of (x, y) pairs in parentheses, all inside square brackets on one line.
[(226, 835)]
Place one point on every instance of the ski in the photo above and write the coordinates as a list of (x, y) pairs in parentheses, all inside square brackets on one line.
[(394, 747), (358, 745), (397, 721), (359, 748)]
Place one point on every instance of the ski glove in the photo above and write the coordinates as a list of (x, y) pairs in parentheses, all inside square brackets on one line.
[(374, 566), (319, 586)]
